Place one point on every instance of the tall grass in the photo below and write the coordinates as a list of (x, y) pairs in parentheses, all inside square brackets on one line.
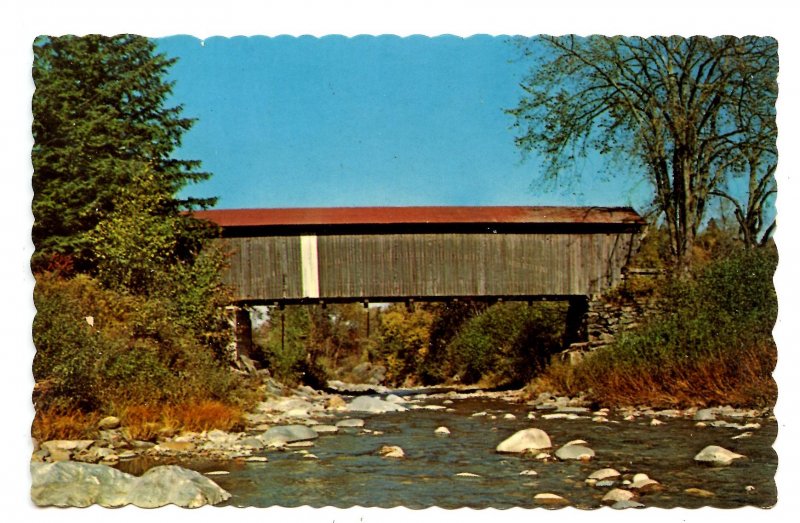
[(711, 343)]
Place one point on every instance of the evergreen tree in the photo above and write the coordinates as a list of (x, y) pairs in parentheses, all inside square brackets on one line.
[(99, 108)]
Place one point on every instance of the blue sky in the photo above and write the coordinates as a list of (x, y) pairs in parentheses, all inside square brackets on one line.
[(335, 121)]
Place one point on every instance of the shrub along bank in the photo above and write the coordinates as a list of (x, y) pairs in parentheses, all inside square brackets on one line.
[(710, 344), (105, 352)]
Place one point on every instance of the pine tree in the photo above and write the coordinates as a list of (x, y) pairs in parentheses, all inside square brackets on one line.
[(100, 105)]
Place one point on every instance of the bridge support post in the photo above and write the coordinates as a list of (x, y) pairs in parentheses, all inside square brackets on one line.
[(242, 346)]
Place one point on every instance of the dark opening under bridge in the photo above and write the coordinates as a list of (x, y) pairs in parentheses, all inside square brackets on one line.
[(385, 254)]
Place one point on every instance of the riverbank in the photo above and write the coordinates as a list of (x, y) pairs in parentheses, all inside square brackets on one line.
[(292, 428)]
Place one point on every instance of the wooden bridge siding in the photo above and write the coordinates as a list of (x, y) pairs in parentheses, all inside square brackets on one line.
[(469, 264), (407, 265), (259, 266)]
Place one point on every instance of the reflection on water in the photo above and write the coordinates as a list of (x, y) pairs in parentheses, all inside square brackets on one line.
[(349, 472)]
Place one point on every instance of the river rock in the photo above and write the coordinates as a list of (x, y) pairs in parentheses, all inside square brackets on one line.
[(548, 498), (67, 444), (619, 505), (326, 429), (617, 494), (350, 423), (467, 475), (705, 415), (561, 415), (575, 451), (442, 431), (252, 442), (716, 456), (525, 440), (391, 451), (171, 484), (335, 402), (602, 475), (174, 446), (287, 434), (109, 423), (644, 484), (529, 472), (71, 484), (698, 492), (394, 398), (373, 405)]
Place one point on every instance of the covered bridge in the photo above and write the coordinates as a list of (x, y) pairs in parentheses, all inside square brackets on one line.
[(385, 254)]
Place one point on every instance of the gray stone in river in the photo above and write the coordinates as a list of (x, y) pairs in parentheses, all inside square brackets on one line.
[(171, 484), (325, 429), (524, 440), (394, 398), (350, 423), (626, 504), (706, 415), (373, 405), (716, 456), (70, 484), (602, 474), (570, 452), (287, 434), (614, 495)]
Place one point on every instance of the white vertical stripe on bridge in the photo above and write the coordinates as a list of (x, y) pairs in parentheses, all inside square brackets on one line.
[(310, 266)]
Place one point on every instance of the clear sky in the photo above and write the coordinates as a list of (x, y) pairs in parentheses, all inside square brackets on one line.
[(386, 121)]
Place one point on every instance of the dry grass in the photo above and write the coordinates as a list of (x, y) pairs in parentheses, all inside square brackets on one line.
[(149, 422), (140, 422), (54, 423), (741, 377), (205, 415)]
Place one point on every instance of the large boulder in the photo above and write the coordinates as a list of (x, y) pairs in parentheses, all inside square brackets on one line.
[(716, 456), (72, 484), (525, 440), (373, 405), (171, 484)]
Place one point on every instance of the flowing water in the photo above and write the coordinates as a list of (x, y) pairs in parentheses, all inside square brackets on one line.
[(349, 472)]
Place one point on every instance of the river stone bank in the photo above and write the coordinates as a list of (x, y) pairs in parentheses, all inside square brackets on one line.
[(293, 424)]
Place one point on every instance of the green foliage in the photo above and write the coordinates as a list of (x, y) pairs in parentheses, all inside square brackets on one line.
[(145, 248), (404, 342), (99, 112), (126, 352), (508, 343), (721, 319), (284, 347)]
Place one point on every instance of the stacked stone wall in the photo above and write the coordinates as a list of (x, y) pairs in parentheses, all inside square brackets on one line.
[(605, 319)]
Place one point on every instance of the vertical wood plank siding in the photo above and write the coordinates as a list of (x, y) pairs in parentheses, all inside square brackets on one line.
[(431, 265)]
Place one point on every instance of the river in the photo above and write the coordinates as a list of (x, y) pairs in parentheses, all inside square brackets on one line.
[(463, 469)]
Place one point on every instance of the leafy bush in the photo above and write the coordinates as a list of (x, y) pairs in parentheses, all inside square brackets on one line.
[(404, 341), (508, 343), (98, 349)]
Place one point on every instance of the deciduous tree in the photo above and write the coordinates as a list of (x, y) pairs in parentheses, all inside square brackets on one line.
[(691, 113)]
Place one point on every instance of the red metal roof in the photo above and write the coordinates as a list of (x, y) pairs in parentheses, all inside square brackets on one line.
[(418, 215)]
